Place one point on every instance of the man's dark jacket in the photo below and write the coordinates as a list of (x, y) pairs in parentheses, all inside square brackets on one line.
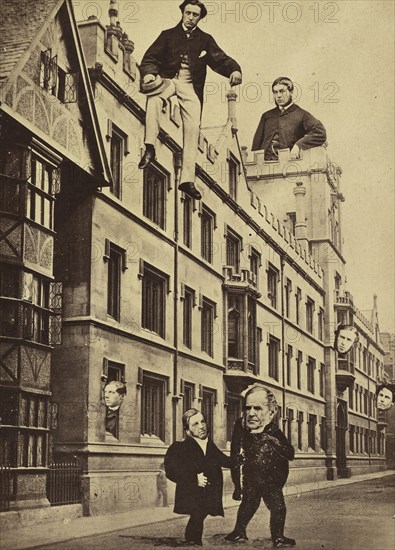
[(294, 125), (165, 54), (183, 461), (266, 455)]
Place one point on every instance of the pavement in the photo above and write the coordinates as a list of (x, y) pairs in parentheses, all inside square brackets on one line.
[(55, 532)]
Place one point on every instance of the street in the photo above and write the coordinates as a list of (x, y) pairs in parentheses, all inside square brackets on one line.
[(353, 517)]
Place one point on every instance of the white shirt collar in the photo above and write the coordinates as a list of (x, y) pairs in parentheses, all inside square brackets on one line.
[(287, 107), (202, 444)]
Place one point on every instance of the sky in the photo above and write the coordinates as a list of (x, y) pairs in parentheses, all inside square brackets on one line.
[(340, 56)]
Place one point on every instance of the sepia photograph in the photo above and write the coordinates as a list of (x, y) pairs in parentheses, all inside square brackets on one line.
[(197, 304)]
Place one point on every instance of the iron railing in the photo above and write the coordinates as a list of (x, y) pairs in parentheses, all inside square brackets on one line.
[(64, 483)]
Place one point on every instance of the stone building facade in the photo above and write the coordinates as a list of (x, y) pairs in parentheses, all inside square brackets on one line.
[(185, 302)]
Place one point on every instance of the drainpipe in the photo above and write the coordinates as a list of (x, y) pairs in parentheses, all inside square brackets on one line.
[(282, 262), (177, 160)]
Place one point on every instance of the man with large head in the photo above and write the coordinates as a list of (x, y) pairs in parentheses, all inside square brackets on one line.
[(345, 337), (195, 466), (176, 64), (385, 396), (287, 126), (265, 471)]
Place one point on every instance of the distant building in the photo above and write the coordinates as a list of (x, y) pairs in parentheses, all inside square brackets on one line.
[(186, 302), (388, 341)]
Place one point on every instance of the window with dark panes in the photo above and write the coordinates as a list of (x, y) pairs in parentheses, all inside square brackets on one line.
[(207, 229), (255, 263), (309, 315), (290, 418), (39, 199), (233, 246), (235, 342), (153, 302), (234, 169), (187, 307), (323, 434), (252, 331), (208, 403), (154, 196), (287, 296), (153, 406), (310, 374), (272, 283), (289, 364), (187, 221), (189, 390), (116, 156), (312, 423), (299, 360), (114, 282), (273, 357), (298, 298), (207, 326), (321, 325), (322, 385)]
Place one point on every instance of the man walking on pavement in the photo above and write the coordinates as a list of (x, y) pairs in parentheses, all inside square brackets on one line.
[(195, 466), (265, 471), (176, 64)]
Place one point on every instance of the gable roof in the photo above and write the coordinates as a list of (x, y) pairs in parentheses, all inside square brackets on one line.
[(21, 25)]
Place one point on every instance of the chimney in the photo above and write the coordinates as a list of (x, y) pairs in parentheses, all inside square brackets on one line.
[(231, 97), (113, 13), (375, 301), (300, 226)]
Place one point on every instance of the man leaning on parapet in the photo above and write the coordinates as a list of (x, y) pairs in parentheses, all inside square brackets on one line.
[(287, 126), (176, 64)]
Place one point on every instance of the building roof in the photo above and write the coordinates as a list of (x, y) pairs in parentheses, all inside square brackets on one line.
[(19, 24)]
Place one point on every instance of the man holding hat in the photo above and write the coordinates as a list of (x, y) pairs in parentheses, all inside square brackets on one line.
[(287, 126), (176, 64)]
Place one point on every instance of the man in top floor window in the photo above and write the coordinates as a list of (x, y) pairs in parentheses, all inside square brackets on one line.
[(287, 126), (176, 64)]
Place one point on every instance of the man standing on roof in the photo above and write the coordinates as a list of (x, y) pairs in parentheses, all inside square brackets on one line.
[(287, 126), (180, 56)]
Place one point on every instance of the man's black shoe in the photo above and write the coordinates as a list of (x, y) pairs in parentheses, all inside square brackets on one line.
[(236, 536), (282, 542), (148, 156), (189, 189)]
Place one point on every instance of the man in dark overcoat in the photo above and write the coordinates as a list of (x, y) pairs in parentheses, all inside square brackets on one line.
[(287, 126), (180, 56), (265, 471), (195, 466)]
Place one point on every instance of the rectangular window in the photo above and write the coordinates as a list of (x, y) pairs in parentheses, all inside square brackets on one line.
[(113, 370), (287, 294), (207, 229), (189, 390), (208, 403), (310, 374), (352, 447), (299, 361), (116, 156), (322, 382), (155, 285), (189, 298), (115, 262), (235, 326), (255, 263), (300, 430), (272, 281), (298, 298), (154, 196), (290, 419), (39, 199), (153, 407), (321, 325), (310, 315), (187, 221), (233, 247), (289, 365), (252, 331), (208, 310), (232, 414), (273, 356), (291, 222), (234, 170), (311, 430)]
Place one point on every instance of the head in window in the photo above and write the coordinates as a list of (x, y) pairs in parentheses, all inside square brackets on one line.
[(260, 408), (385, 396), (114, 394), (345, 337), (195, 424)]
